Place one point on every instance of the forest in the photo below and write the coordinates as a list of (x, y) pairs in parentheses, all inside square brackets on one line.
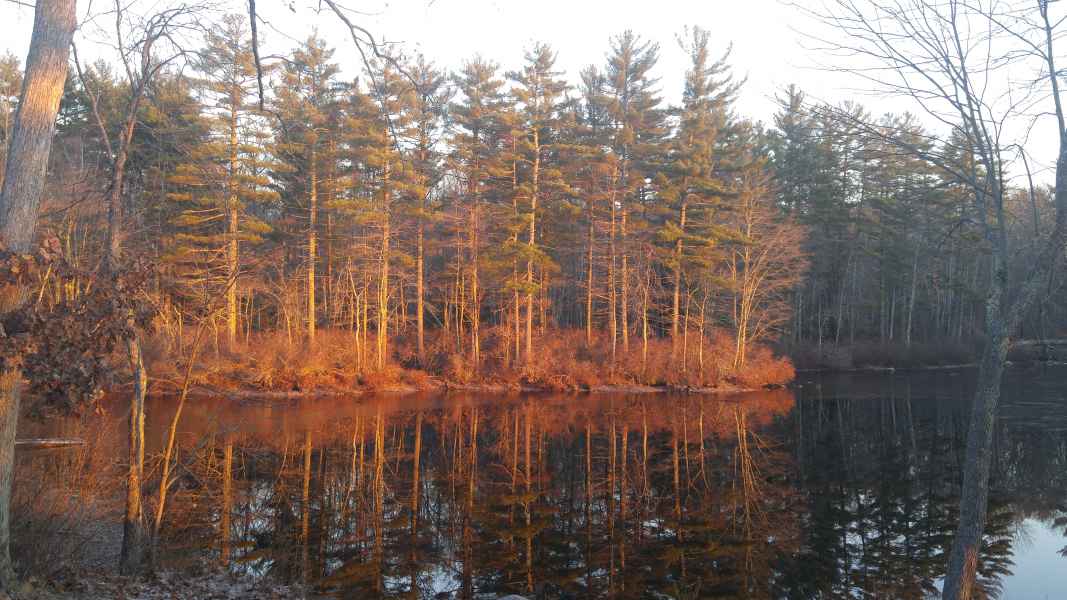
[(188, 218), (487, 222)]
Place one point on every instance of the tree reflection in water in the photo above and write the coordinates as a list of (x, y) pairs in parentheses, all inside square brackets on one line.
[(812, 493)]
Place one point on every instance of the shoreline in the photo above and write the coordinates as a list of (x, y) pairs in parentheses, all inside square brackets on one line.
[(446, 387)]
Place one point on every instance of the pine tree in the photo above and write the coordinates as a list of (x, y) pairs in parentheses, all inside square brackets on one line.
[(227, 174), (479, 143), (539, 92), (382, 121), (637, 132), (424, 105), (306, 99), (592, 178), (702, 159)]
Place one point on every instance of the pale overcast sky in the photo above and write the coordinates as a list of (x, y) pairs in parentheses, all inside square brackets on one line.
[(768, 49)]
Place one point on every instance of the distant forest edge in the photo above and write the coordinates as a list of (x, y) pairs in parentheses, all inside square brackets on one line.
[(484, 225)]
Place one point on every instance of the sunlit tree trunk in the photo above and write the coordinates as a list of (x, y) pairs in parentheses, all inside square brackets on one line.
[(313, 219), (20, 199), (535, 174), (383, 279), (676, 268), (231, 227), (624, 300), (613, 282), (644, 324), (589, 276), (476, 298), (420, 278)]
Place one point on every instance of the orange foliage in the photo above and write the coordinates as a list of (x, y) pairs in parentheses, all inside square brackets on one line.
[(562, 361)]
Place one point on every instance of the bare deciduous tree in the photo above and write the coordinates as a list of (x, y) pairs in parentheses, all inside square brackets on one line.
[(765, 264), (139, 44), (952, 59)]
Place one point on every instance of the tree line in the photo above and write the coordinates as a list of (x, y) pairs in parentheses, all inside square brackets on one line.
[(466, 212)]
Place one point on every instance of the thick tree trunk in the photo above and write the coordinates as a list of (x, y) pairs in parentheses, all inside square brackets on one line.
[(20, 199), (31, 137)]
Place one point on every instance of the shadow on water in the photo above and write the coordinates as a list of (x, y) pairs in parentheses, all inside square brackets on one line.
[(846, 486)]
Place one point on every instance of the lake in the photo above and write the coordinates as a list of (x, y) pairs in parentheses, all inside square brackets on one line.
[(843, 486)]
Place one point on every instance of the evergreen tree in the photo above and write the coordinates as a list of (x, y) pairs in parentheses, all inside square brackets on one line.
[(637, 130), (479, 142), (702, 158), (538, 90), (305, 101), (226, 175)]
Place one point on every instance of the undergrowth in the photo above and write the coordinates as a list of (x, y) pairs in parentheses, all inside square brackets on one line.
[(561, 360)]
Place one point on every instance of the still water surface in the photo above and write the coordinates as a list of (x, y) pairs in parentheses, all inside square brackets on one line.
[(845, 486)]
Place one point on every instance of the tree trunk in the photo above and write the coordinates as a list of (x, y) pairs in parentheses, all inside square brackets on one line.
[(231, 213), (589, 280), (31, 137), (420, 285), (963, 560), (677, 272), (10, 380), (20, 199), (476, 301), (134, 534), (383, 281), (532, 241), (313, 218), (624, 300)]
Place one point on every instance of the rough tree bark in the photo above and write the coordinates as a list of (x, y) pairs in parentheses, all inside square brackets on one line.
[(20, 199)]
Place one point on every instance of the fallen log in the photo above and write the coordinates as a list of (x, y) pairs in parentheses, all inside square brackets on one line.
[(40, 443)]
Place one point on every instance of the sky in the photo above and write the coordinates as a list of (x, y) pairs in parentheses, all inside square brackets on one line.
[(766, 50), (770, 47)]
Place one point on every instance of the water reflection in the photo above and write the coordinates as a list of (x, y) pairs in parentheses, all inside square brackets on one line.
[(846, 487)]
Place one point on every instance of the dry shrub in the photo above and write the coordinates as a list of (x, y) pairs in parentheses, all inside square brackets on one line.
[(762, 368), (64, 502), (388, 376), (562, 360)]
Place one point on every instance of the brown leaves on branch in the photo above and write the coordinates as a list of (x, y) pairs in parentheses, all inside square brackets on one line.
[(65, 350)]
